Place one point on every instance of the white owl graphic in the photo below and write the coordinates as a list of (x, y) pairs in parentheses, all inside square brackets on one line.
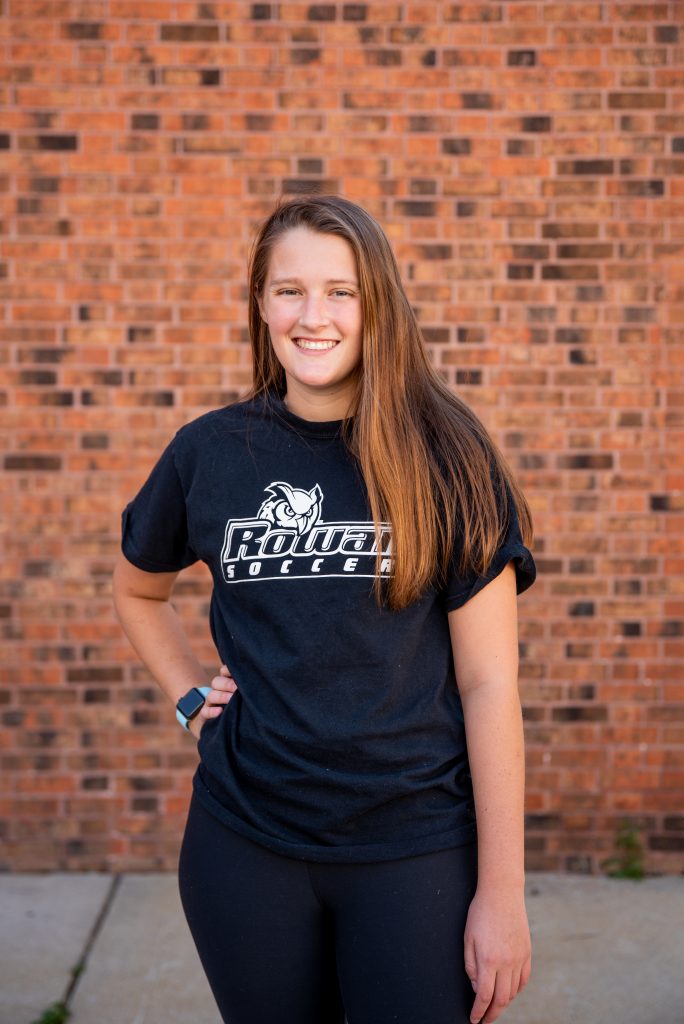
[(291, 507)]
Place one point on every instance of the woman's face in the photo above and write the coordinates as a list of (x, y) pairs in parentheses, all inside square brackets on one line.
[(312, 304)]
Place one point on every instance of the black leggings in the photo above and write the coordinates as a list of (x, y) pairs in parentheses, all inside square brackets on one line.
[(285, 941)]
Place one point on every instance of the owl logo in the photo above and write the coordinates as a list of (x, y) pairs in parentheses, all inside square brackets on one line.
[(291, 508)]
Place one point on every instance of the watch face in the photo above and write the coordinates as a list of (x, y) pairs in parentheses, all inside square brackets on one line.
[(190, 703)]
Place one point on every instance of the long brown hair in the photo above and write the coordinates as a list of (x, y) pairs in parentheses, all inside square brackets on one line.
[(430, 467)]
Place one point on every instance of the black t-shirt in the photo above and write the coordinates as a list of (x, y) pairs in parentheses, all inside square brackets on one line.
[(345, 740)]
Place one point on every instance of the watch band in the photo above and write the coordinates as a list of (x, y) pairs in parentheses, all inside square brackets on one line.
[(183, 719)]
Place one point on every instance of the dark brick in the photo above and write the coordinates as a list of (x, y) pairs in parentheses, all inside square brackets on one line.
[(542, 821), (38, 377), (185, 32), (666, 844), (521, 58), (384, 58), (520, 147), (310, 165), (661, 503), (666, 34), (321, 12), (436, 335), (261, 12), (580, 713), (304, 186), (4, 140), (436, 251), (593, 460), (27, 205), (95, 442), (674, 823), (38, 463), (93, 674), (537, 123), (44, 184), (569, 272), (457, 147), (582, 609), (470, 335), (195, 122), (355, 12), (210, 76), (589, 293), (585, 691), (530, 251), (519, 272), (466, 208), (652, 187), (421, 123), (258, 122), (678, 144), (96, 696), (95, 782), (148, 804), (305, 56), (415, 208), (429, 59), (586, 167), (145, 122), (469, 377), (477, 100), (58, 143), (83, 30), (585, 251), (140, 334)]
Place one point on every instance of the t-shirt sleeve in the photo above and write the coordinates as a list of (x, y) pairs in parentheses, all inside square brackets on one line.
[(460, 588), (154, 525)]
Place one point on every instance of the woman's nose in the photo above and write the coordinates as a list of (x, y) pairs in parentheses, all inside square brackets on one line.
[(314, 313)]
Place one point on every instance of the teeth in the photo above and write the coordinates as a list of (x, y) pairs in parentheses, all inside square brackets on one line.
[(315, 345)]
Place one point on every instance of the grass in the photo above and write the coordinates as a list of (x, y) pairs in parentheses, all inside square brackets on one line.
[(628, 860)]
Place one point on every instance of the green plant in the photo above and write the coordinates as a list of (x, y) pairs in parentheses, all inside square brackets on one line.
[(628, 860), (55, 1014)]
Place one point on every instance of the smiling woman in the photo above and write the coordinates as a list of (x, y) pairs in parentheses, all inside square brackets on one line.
[(353, 844), (315, 325)]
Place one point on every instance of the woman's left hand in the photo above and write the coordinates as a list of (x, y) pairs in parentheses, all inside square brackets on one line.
[(498, 951)]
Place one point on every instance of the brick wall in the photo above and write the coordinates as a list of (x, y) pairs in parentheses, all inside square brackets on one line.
[(527, 162)]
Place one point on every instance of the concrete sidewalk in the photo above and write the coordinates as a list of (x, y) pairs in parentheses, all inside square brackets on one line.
[(118, 951)]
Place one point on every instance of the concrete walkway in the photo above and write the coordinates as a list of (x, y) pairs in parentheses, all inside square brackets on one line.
[(117, 950)]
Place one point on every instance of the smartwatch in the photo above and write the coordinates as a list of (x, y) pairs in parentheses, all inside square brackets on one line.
[(190, 705)]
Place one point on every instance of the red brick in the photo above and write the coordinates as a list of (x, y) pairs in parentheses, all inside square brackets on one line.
[(526, 161)]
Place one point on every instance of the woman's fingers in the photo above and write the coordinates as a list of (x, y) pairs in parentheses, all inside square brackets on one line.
[(223, 688), (485, 991)]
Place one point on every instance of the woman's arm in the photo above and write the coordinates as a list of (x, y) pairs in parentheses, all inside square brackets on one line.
[(484, 636), (142, 602)]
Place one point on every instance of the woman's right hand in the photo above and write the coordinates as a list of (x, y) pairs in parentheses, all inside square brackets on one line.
[(223, 688)]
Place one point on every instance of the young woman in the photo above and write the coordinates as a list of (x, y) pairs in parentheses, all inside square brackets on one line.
[(345, 852)]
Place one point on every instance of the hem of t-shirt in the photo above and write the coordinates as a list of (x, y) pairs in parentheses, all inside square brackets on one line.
[(351, 854), (525, 575), (140, 562)]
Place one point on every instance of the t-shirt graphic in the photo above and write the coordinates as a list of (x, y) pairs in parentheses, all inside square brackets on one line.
[(288, 539)]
